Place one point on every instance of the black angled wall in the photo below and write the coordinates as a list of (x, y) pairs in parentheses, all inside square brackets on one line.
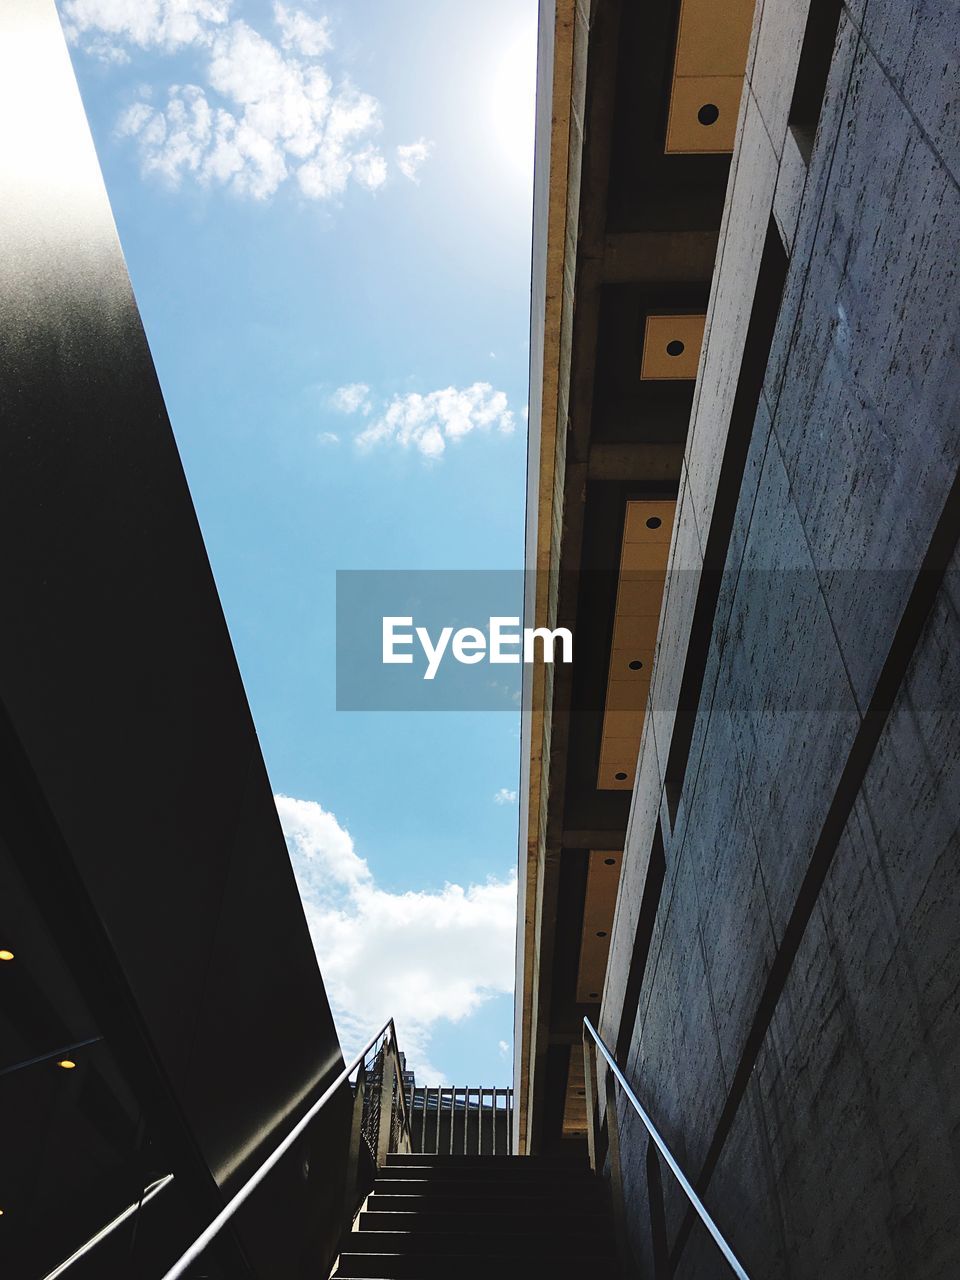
[(137, 807)]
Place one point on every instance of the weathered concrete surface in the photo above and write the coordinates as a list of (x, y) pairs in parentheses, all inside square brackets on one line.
[(797, 1033)]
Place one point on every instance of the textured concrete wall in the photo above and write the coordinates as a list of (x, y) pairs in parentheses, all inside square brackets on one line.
[(796, 1033)]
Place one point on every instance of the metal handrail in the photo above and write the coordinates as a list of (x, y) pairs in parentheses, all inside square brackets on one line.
[(224, 1216), (149, 1192), (718, 1239)]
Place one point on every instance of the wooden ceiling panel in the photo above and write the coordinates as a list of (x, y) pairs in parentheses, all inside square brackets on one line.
[(703, 115), (713, 37), (671, 347), (711, 56), (647, 532), (649, 523), (600, 900), (627, 695), (638, 608), (625, 723), (618, 763), (575, 1103), (624, 663)]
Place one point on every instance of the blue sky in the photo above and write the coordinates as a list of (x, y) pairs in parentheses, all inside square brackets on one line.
[(322, 196)]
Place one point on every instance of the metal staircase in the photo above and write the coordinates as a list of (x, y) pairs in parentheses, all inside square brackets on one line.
[(414, 1215), (501, 1216)]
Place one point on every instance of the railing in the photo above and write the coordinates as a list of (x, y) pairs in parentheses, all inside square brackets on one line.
[(380, 1122), (455, 1120), (615, 1073), (88, 1246), (381, 1119)]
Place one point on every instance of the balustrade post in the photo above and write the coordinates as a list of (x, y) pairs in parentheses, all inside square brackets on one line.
[(388, 1075), (356, 1137)]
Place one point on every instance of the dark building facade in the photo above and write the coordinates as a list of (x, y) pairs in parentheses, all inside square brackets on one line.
[(781, 985), (161, 1009)]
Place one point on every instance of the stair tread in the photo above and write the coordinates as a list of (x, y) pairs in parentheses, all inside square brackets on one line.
[(451, 1157), (508, 1216), (509, 1224), (441, 1169), (388, 1202), (490, 1241), (397, 1266), (509, 1187)]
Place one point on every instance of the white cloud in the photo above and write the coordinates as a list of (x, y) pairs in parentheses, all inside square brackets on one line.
[(370, 168), (328, 437), (261, 113), (428, 421), (504, 796), (169, 24), (411, 156), (504, 1048), (284, 119), (352, 398), (421, 957), (301, 32)]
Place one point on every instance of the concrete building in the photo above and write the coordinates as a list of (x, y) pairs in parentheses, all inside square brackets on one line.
[(740, 801), (740, 805)]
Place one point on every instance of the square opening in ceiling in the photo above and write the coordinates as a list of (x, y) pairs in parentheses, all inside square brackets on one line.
[(671, 347)]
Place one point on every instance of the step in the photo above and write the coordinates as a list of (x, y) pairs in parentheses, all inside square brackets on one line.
[(538, 1244), (467, 1220), (486, 1205), (509, 1170), (502, 1188), (497, 1162), (465, 1266)]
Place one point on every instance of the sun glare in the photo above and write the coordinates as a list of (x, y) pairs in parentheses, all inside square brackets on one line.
[(514, 101)]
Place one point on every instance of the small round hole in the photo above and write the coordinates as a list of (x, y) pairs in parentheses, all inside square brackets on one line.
[(675, 348), (609, 862), (654, 522), (594, 995), (636, 664), (620, 777), (601, 933), (709, 113), (581, 1093)]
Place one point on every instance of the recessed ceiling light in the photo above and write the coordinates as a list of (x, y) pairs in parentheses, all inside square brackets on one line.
[(67, 1063), (6, 955)]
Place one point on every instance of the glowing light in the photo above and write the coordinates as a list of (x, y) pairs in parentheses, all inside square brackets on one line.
[(6, 955), (67, 1063), (514, 101)]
